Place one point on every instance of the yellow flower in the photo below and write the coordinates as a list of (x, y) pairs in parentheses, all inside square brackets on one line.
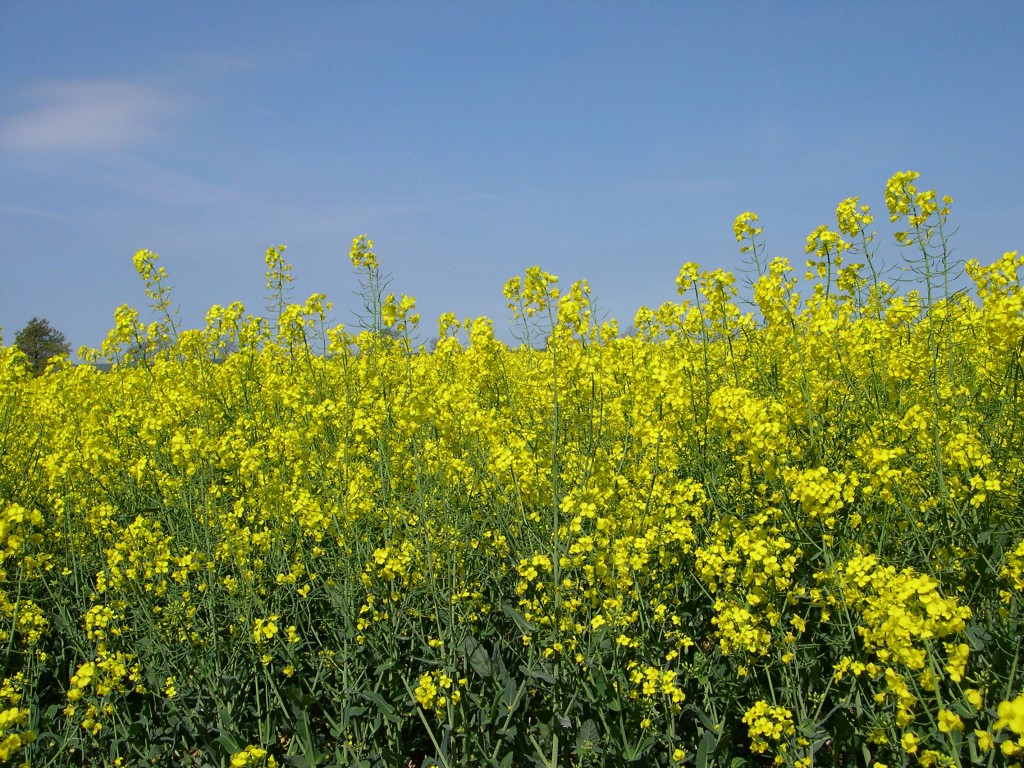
[(1011, 715), (949, 721), (985, 740), (851, 221), (361, 254), (910, 742), (264, 629), (253, 757), (744, 229), (958, 654), (899, 192), (974, 698)]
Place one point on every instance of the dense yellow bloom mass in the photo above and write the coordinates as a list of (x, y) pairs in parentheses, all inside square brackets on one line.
[(766, 724), (253, 757), (784, 525)]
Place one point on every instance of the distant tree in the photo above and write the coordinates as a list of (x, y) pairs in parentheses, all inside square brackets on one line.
[(40, 341)]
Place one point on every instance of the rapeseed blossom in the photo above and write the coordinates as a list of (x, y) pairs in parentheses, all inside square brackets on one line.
[(786, 522)]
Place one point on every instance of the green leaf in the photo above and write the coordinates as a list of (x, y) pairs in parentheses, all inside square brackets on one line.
[(498, 664), (704, 718), (479, 661), (383, 706), (524, 626), (537, 673), (962, 708), (602, 688), (977, 637), (588, 731), (353, 711), (842, 728), (508, 693), (229, 742), (307, 742), (588, 738), (706, 748), (300, 699), (639, 752)]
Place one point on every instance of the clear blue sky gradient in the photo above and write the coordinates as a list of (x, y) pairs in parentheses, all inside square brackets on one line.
[(611, 141)]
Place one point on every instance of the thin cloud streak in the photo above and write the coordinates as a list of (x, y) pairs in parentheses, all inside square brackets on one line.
[(20, 210), (89, 115), (216, 64), (672, 187), (143, 178)]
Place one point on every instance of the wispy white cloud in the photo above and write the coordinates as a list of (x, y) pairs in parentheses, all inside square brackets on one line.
[(89, 115), (36, 213), (143, 178)]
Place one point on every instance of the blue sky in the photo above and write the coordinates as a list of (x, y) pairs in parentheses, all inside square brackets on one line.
[(611, 141)]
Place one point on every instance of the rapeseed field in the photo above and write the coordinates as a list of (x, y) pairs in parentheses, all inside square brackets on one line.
[(781, 523)]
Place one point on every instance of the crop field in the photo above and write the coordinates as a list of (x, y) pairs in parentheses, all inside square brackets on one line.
[(781, 522)]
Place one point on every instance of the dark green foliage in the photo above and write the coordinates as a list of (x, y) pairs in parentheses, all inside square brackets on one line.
[(40, 341)]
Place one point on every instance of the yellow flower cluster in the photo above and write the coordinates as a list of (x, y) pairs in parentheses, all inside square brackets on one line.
[(253, 757), (901, 611), (652, 682), (744, 229), (1013, 570), (767, 724), (14, 719), (361, 254), (436, 691)]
